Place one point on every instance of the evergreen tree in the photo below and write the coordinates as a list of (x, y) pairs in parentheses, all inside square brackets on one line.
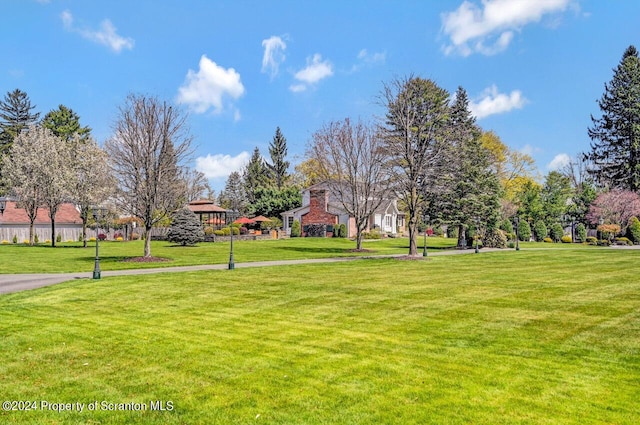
[(470, 189), (233, 196), (65, 123), (615, 150), (554, 196), (15, 115), (254, 175), (185, 228), (279, 166)]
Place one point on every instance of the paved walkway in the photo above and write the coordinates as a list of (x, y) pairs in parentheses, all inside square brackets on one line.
[(21, 282)]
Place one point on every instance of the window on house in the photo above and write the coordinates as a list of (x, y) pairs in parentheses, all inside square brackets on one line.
[(289, 222), (387, 221)]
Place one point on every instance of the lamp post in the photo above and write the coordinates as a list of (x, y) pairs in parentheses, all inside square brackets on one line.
[(570, 218), (232, 217), (598, 230), (516, 220), (3, 205), (98, 214), (426, 221)]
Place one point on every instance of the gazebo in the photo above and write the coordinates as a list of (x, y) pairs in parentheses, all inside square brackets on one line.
[(210, 215)]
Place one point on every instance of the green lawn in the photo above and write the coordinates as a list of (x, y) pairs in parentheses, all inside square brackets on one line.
[(71, 257), (534, 337)]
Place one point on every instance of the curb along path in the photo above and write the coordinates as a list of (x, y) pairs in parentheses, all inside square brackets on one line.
[(21, 282)]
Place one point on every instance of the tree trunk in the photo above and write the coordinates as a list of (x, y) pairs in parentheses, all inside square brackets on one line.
[(84, 232), (53, 233), (31, 234), (359, 240), (413, 234), (147, 242)]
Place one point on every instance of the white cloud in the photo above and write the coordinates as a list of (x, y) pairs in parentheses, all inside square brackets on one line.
[(219, 165), (369, 59), (491, 102), (207, 87), (530, 150), (316, 70), (107, 34), (488, 29), (274, 48), (558, 162)]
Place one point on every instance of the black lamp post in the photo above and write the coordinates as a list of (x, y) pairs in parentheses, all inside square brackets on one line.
[(3, 204), (516, 220), (98, 214), (232, 217), (426, 221), (598, 231), (570, 218)]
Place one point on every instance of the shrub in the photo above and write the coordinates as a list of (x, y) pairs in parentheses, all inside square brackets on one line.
[(547, 240), (243, 231), (495, 238), (540, 230), (185, 228), (5, 242), (135, 236), (634, 229), (591, 240), (524, 230), (506, 226), (623, 241), (47, 241), (581, 232), (15, 239), (59, 238), (566, 239), (26, 241), (452, 231), (208, 231), (511, 244), (218, 232), (374, 234), (118, 235), (295, 229), (35, 238), (92, 239), (608, 231), (102, 236), (226, 231), (80, 237), (342, 228), (604, 242), (556, 232)]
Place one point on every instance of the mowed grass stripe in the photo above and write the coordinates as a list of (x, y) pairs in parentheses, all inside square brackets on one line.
[(528, 337)]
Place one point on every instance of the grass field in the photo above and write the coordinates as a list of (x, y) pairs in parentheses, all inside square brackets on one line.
[(534, 337), (71, 257)]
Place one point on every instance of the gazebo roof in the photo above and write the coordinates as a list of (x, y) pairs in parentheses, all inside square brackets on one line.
[(205, 206)]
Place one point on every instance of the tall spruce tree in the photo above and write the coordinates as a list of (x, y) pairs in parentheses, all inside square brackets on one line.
[(470, 189), (279, 166), (15, 115), (615, 147), (254, 175), (234, 196)]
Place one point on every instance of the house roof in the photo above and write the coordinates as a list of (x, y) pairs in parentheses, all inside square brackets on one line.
[(67, 214), (205, 206)]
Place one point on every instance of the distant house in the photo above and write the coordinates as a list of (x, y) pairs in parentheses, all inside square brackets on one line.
[(14, 222), (210, 215), (321, 210)]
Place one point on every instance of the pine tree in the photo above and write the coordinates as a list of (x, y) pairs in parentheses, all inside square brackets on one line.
[(65, 123), (615, 150), (185, 228), (254, 175), (279, 166), (15, 115), (234, 196)]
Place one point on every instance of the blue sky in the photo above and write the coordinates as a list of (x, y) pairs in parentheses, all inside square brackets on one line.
[(532, 68)]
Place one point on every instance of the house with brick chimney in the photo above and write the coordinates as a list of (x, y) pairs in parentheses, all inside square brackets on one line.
[(321, 212)]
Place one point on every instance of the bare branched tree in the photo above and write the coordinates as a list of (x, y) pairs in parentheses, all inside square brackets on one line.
[(150, 144), (414, 130), (351, 161)]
